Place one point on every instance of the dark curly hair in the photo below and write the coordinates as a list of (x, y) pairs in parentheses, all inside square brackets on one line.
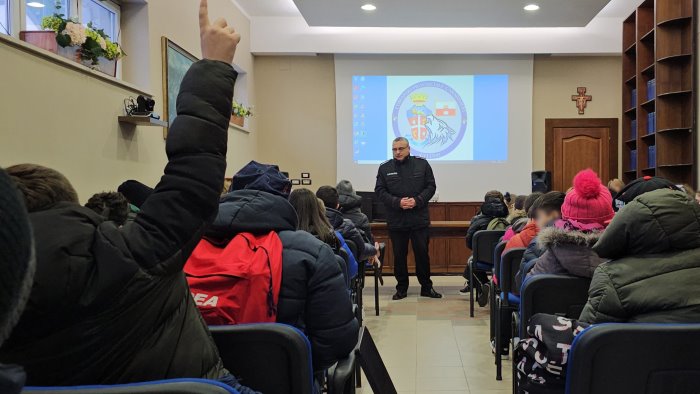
[(112, 206)]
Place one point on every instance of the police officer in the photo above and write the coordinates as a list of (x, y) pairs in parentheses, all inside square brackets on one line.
[(405, 186)]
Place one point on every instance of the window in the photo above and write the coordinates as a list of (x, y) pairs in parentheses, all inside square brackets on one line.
[(36, 10), (5, 17), (103, 15)]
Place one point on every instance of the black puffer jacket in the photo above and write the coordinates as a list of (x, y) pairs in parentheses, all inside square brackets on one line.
[(655, 244), (350, 207), (349, 232), (313, 296), (490, 209), (111, 305)]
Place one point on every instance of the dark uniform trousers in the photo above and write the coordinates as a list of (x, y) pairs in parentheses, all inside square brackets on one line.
[(419, 240)]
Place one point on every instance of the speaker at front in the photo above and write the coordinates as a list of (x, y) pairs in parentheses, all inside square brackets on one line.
[(541, 181)]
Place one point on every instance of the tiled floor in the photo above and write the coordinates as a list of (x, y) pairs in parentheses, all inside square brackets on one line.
[(432, 346)]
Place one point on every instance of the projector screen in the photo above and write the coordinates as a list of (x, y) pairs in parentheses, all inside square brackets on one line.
[(470, 116), (446, 118)]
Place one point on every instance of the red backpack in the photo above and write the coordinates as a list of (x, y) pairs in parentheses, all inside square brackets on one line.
[(239, 283)]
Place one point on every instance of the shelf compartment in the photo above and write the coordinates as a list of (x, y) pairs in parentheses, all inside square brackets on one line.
[(677, 92), (677, 57), (649, 36), (675, 165), (675, 112), (675, 21), (674, 130), (649, 138)]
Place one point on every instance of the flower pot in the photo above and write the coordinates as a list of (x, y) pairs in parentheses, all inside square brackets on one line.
[(237, 120), (106, 66), (70, 53), (44, 39)]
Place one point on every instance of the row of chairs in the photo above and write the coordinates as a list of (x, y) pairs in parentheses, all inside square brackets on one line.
[(273, 358), (605, 358)]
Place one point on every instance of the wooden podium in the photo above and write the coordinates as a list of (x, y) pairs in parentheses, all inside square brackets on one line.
[(448, 249)]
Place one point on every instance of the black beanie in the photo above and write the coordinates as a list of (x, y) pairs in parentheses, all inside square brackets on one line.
[(17, 260)]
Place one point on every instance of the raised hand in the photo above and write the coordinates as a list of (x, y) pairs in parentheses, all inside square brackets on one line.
[(218, 40)]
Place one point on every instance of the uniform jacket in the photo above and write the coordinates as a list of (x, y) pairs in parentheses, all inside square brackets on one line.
[(313, 296), (413, 177), (654, 244), (111, 304)]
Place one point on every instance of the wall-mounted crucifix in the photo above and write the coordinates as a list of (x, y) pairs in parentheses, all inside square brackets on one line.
[(581, 99)]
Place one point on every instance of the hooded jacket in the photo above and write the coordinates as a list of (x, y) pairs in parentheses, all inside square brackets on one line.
[(111, 305), (654, 242), (349, 232), (490, 209), (350, 207), (313, 296), (566, 252)]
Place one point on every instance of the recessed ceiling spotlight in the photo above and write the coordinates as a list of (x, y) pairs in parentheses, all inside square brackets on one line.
[(531, 7), (369, 7), (35, 4)]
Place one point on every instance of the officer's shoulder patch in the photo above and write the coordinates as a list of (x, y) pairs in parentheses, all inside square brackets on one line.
[(420, 157), (384, 162)]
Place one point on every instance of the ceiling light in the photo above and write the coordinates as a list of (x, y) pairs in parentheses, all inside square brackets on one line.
[(531, 7), (35, 4), (369, 7)]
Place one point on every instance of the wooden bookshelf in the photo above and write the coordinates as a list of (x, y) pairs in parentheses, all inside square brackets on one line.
[(658, 44)]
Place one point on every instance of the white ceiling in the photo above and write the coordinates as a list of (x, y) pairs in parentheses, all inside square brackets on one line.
[(450, 13), (278, 27), (268, 7)]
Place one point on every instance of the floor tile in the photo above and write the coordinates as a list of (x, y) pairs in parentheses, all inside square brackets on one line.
[(431, 346)]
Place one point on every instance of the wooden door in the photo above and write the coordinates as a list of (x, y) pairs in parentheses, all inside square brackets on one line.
[(572, 145)]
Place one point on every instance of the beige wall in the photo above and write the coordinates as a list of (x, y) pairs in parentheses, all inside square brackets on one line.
[(556, 79), (296, 104), (67, 120), (295, 110)]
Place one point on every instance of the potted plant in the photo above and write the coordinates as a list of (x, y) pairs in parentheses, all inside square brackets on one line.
[(87, 45), (239, 112)]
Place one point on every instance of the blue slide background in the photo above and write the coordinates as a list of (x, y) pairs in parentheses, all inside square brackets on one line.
[(490, 117)]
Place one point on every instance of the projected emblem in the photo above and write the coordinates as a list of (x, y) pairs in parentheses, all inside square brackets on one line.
[(432, 116)]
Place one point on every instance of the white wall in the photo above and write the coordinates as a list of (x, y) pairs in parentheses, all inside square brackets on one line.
[(456, 182)]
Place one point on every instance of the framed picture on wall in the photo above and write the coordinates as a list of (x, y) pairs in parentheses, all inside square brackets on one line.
[(176, 62)]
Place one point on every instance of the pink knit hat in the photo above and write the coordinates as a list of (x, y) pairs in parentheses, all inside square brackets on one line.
[(589, 201)]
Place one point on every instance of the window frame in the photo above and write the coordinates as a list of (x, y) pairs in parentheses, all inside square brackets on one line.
[(111, 6), (17, 10)]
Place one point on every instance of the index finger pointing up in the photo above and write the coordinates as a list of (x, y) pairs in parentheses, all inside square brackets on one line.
[(203, 14)]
